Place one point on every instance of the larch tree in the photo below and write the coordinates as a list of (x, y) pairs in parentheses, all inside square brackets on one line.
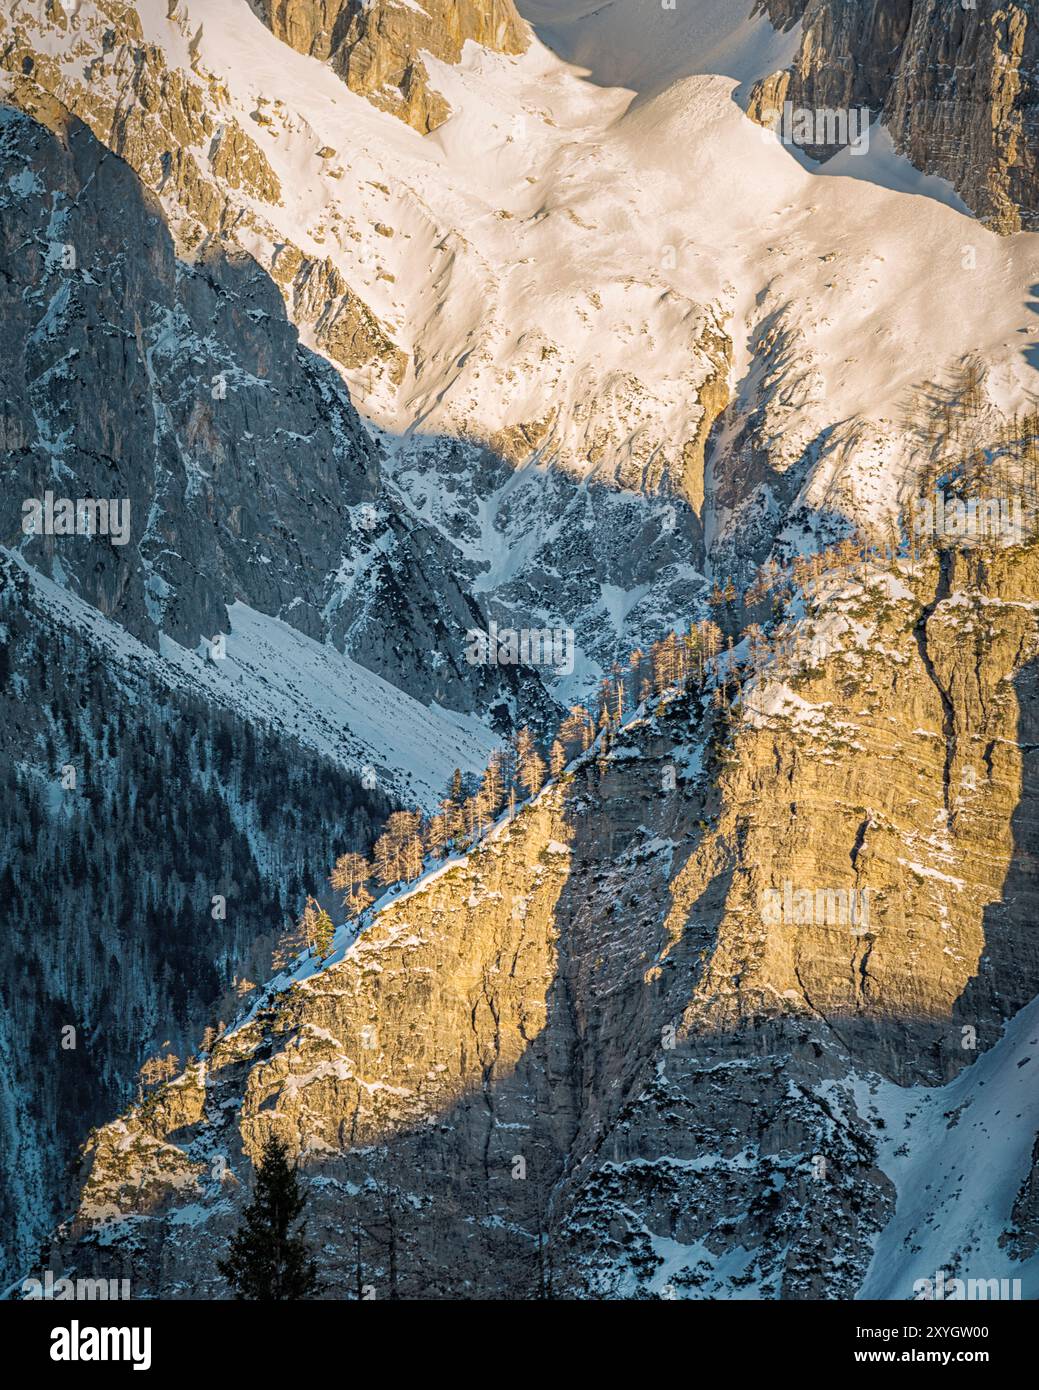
[(532, 772), (308, 922), (358, 900), (523, 746), (572, 729), (393, 847), (291, 943), (556, 758), (350, 871), (385, 855), (491, 787), (438, 836), (413, 850)]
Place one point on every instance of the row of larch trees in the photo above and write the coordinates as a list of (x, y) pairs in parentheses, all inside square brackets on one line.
[(969, 440), (691, 661), (515, 773)]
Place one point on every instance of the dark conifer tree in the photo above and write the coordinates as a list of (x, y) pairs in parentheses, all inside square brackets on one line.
[(268, 1259)]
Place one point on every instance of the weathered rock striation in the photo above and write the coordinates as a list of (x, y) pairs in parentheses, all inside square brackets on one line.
[(590, 1059), (957, 87)]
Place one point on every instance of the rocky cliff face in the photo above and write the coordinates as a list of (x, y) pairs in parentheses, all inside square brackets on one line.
[(244, 469), (170, 123), (241, 475), (202, 419), (636, 1043), (966, 106), (377, 48), (956, 85), (600, 1056)]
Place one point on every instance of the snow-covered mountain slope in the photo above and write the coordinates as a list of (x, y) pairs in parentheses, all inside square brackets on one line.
[(621, 43), (606, 341), (581, 198), (314, 692), (959, 1156), (275, 677), (709, 1102), (581, 276)]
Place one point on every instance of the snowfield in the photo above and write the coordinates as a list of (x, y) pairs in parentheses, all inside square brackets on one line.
[(958, 1155), (275, 676), (559, 243)]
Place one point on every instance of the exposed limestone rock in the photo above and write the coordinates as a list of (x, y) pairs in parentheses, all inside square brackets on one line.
[(765, 102), (966, 105), (344, 327), (376, 47), (957, 86), (911, 795), (157, 118), (713, 397), (586, 1060), (140, 1169), (237, 160), (517, 443)]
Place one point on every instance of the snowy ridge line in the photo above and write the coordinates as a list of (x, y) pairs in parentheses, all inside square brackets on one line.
[(347, 934)]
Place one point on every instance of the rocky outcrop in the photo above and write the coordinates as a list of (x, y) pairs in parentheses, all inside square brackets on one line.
[(173, 128), (344, 327), (183, 392), (182, 389), (966, 105), (956, 85), (377, 47), (600, 1056)]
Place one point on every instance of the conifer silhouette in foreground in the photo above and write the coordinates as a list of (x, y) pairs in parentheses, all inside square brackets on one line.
[(266, 1259)]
